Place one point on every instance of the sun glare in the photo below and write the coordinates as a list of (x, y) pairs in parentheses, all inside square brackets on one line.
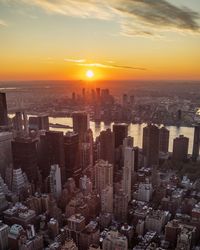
[(90, 74)]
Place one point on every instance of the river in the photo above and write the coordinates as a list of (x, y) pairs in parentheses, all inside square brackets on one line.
[(134, 130)]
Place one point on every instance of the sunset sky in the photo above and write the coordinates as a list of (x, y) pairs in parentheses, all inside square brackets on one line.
[(115, 39)]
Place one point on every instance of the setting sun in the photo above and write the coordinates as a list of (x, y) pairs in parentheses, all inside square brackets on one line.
[(90, 74)]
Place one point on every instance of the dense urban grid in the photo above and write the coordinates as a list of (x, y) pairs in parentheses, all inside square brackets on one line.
[(69, 191)]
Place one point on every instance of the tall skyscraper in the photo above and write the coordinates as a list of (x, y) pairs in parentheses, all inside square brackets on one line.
[(24, 152), (55, 181), (180, 148), (196, 142), (128, 142), (103, 175), (3, 110), (107, 200), (120, 205), (164, 140), (120, 132), (52, 152), (150, 144), (5, 152), (72, 156), (80, 123), (107, 145), (128, 170)]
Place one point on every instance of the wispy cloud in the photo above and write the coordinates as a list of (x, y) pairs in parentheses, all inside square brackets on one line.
[(74, 60), (103, 65), (135, 17), (3, 23)]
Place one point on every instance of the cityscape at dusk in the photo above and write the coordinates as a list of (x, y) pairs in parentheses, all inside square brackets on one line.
[(99, 125)]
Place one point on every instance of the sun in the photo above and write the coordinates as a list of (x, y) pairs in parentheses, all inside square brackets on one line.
[(90, 73)]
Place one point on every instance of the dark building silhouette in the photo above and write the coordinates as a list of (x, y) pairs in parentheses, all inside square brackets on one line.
[(120, 131), (164, 140), (196, 142), (136, 159), (107, 145), (150, 144), (24, 152), (180, 148), (40, 122), (3, 110), (72, 156), (51, 151), (80, 123)]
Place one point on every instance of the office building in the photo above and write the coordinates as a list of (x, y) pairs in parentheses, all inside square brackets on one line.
[(51, 151), (80, 123), (180, 148), (150, 144), (4, 230), (128, 142), (24, 152), (16, 231), (40, 122), (72, 156), (163, 140), (115, 240), (128, 170), (19, 181), (156, 220), (120, 205), (5, 152), (120, 131), (107, 146), (85, 185), (55, 181), (103, 175), (145, 192), (69, 245), (3, 110), (196, 142), (107, 200)]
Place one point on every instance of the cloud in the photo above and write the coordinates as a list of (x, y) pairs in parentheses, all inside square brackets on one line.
[(3, 23), (135, 17), (74, 60), (103, 65), (147, 17)]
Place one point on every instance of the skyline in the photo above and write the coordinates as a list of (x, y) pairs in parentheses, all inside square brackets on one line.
[(130, 40)]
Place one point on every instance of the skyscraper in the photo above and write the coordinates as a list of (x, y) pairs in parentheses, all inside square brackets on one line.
[(128, 170), (103, 175), (40, 122), (3, 110), (5, 151), (150, 144), (164, 140), (196, 142), (120, 132), (107, 145), (180, 148), (55, 181), (72, 156), (80, 123), (25, 157), (52, 152)]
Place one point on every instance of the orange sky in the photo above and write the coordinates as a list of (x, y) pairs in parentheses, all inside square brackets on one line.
[(45, 40)]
